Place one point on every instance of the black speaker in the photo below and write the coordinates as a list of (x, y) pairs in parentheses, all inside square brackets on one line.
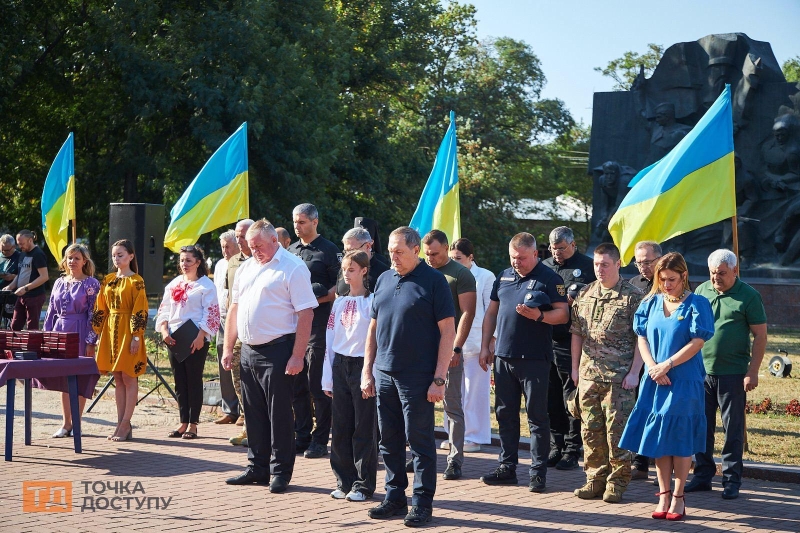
[(143, 225)]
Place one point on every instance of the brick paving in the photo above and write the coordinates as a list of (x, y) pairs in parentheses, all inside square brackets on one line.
[(192, 474)]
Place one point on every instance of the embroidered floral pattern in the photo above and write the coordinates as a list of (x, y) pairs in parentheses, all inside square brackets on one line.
[(138, 368), (349, 314), (139, 321), (139, 285), (97, 318), (212, 320), (180, 292)]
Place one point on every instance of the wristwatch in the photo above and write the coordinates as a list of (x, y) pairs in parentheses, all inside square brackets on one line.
[(438, 382), (136, 339), (541, 316), (457, 349)]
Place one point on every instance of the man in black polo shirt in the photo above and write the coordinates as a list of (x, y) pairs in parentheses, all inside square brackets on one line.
[(409, 345), (565, 430), (524, 351), (322, 258)]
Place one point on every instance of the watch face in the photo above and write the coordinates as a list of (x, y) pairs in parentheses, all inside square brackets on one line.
[(439, 382)]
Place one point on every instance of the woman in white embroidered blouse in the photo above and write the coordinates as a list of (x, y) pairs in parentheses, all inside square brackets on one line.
[(354, 455), (190, 296)]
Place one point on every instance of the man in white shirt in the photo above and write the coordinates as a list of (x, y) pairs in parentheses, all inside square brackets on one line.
[(230, 402), (274, 284)]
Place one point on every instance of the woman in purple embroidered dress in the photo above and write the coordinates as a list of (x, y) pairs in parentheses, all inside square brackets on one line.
[(70, 310)]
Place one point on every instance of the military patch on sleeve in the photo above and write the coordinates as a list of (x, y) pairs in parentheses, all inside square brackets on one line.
[(561, 290)]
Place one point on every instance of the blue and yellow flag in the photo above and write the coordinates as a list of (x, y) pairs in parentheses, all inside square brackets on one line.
[(219, 195), (58, 199), (438, 206), (691, 187)]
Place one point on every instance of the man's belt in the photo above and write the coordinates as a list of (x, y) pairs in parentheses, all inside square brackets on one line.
[(279, 340)]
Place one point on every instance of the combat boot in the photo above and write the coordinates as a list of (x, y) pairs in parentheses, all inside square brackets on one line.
[(592, 489), (613, 493)]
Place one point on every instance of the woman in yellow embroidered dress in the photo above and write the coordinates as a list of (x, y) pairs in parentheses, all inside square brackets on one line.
[(120, 319)]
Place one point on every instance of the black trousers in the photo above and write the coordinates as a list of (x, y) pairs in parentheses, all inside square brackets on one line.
[(406, 415), (267, 395), (565, 430), (514, 378), (308, 387), (354, 457), (189, 384), (726, 393)]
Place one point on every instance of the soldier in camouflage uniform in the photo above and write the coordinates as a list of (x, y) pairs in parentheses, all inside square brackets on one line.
[(605, 366)]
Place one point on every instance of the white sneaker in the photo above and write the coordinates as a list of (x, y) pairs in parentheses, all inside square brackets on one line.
[(471, 447), (338, 494), (61, 433), (356, 496), (445, 445)]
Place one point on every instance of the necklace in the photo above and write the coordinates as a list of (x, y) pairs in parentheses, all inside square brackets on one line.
[(669, 298)]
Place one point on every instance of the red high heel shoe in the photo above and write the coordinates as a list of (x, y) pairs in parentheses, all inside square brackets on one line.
[(678, 516), (661, 515)]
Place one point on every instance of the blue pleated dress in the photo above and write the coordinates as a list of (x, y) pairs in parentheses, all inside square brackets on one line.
[(671, 420)]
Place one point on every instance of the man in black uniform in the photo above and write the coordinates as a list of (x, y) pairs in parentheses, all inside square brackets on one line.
[(646, 255), (322, 258), (524, 351), (565, 430), (360, 239)]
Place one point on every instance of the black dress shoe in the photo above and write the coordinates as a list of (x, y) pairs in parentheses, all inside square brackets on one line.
[(730, 492), (388, 509), (567, 462), (453, 471), (248, 477), (278, 485), (315, 451), (697, 485), (418, 516)]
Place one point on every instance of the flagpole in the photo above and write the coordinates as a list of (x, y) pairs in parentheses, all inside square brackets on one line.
[(74, 231), (735, 238)]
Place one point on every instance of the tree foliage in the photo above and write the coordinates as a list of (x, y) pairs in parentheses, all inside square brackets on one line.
[(791, 69), (346, 103), (625, 69)]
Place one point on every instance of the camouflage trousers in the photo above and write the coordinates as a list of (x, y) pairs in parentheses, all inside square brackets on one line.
[(236, 373), (605, 408)]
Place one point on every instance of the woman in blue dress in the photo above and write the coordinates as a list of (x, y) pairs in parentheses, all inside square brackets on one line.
[(668, 421)]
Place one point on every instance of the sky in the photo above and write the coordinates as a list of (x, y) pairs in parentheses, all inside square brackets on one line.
[(571, 37)]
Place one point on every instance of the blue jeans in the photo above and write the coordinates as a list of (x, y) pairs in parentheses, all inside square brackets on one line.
[(726, 393), (406, 415)]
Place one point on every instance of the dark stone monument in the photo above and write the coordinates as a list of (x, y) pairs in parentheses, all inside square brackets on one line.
[(636, 128)]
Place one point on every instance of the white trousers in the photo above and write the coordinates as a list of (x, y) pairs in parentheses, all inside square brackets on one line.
[(475, 392)]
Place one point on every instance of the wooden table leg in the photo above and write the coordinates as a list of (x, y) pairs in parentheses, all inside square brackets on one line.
[(10, 386), (27, 412), (75, 409)]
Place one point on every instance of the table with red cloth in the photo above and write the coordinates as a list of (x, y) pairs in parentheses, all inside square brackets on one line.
[(74, 376)]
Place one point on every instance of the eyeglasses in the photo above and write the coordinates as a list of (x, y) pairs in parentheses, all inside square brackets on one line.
[(7, 250), (554, 249), (191, 248), (641, 264)]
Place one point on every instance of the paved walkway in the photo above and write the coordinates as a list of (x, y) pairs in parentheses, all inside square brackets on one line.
[(189, 475)]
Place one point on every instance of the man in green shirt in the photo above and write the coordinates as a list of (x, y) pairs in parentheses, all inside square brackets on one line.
[(731, 369), (464, 291)]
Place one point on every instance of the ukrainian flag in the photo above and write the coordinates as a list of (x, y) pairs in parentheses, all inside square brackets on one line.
[(219, 195), (438, 206), (58, 199), (691, 187)]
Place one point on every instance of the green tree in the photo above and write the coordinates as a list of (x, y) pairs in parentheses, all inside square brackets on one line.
[(624, 70), (791, 69)]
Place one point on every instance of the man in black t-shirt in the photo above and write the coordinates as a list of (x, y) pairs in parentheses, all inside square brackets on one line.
[(523, 356), (323, 259), (29, 283), (9, 260)]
